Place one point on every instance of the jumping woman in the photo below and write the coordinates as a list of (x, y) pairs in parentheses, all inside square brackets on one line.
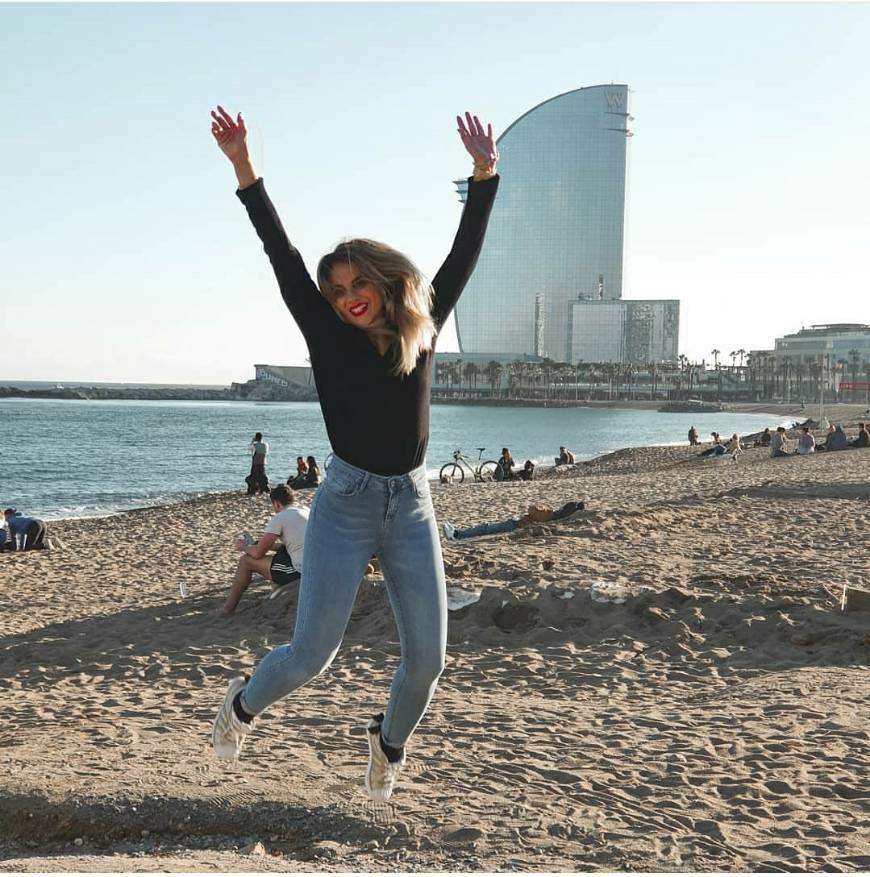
[(370, 323)]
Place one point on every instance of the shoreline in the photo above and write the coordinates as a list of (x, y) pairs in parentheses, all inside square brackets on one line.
[(545, 472)]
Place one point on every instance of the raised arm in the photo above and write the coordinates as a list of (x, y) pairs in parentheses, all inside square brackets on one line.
[(482, 186), (298, 290)]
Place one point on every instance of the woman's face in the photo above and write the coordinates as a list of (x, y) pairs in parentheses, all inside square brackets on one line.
[(356, 300)]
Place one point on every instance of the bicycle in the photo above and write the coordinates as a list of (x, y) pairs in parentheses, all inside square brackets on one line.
[(482, 470)]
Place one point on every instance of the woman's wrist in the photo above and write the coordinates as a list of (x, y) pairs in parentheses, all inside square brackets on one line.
[(483, 170), (245, 173)]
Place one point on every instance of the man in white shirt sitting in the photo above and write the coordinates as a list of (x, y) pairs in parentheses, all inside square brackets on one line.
[(284, 565)]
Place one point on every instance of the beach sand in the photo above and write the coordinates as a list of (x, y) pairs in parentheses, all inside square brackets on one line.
[(717, 719)]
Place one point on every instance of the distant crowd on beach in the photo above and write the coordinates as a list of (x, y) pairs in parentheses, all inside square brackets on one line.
[(779, 442)]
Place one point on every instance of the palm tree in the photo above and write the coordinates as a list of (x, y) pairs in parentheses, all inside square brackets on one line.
[(471, 371), (799, 371), (733, 356), (741, 353), (493, 372), (855, 357), (715, 355), (839, 367), (578, 368), (629, 370), (785, 372), (514, 377), (815, 370), (652, 368)]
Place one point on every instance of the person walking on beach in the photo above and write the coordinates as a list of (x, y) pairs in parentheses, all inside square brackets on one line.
[(258, 482), (370, 323), (693, 437)]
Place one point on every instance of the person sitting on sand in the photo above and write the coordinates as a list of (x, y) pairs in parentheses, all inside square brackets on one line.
[(297, 480), (862, 440), (527, 473), (565, 458), (504, 470), (693, 437), (779, 443), (764, 441), (734, 447), (310, 478), (312, 473), (282, 567), (506, 465), (837, 440), (25, 534), (806, 442), (536, 514)]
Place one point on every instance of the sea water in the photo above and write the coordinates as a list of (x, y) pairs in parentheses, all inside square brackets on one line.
[(72, 458)]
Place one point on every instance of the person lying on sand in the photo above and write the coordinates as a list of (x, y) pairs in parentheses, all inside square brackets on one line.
[(282, 566), (716, 449), (537, 514)]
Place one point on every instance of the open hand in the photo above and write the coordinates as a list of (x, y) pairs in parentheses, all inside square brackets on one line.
[(479, 143), (230, 136)]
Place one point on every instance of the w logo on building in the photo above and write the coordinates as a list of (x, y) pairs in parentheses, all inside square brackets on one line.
[(614, 100)]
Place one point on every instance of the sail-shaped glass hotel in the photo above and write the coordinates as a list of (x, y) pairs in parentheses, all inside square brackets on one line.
[(553, 253)]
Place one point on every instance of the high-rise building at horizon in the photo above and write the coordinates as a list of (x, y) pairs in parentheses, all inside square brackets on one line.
[(556, 237)]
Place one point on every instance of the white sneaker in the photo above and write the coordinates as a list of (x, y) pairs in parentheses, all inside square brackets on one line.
[(381, 773), (449, 530), (228, 731)]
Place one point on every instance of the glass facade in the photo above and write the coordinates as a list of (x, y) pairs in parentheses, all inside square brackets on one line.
[(556, 231), (651, 331), (597, 332), (843, 342), (639, 331)]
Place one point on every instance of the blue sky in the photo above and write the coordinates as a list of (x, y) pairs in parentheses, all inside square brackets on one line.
[(124, 254)]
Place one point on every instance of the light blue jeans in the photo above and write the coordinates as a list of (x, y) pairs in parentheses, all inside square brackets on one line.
[(356, 514), (507, 526)]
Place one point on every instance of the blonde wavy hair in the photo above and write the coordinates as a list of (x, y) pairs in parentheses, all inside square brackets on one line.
[(406, 319)]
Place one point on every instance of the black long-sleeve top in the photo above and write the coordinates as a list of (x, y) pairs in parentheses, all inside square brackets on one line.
[(375, 420)]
